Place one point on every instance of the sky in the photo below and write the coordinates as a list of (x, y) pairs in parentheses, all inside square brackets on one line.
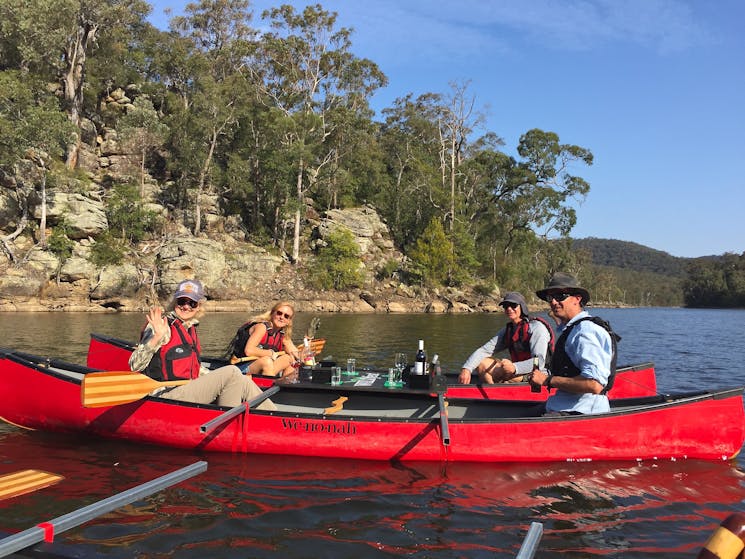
[(655, 89)]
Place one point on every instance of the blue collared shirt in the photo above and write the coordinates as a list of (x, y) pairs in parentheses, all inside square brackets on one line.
[(590, 348)]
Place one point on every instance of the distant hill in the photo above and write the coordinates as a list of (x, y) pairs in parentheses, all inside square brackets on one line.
[(632, 257)]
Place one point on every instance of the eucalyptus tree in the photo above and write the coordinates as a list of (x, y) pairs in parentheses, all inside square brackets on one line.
[(32, 127), (219, 39), (308, 73), (409, 139), (142, 130), (457, 121), (55, 38)]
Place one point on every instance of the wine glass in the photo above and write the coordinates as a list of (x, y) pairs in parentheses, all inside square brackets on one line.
[(400, 361)]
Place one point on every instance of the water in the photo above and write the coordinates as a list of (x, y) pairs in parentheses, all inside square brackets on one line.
[(265, 506)]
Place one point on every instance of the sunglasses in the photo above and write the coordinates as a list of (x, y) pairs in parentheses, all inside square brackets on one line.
[(558, 296), (283, 315), (184, 301), (510, 305)]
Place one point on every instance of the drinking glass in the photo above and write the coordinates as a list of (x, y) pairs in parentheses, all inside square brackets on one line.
[(351, 366), (394, 378), (400, 362), (335, 376)]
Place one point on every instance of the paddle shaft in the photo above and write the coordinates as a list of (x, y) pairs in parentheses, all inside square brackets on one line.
[(444, 425), (316, 346), (46, 530), (238, 410)]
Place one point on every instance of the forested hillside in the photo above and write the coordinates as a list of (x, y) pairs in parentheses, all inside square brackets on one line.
[(628, 273), (632, 256), (645, 276), (255, 127)]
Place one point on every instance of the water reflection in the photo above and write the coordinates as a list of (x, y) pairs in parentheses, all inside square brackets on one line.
[(262, 506), (308, 506)]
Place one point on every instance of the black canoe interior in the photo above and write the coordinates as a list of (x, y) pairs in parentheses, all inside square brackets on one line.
[(216, 362), (305, 401)]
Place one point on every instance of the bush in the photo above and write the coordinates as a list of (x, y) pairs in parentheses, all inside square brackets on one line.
[(107, 250), (337, 265), (432, 258), (59, 242), (126, 215)]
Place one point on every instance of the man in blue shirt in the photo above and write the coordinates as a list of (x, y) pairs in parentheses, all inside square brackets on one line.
[(584, 358)]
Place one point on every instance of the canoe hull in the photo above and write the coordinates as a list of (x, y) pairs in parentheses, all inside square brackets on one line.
[(369, 425), (112, 354)]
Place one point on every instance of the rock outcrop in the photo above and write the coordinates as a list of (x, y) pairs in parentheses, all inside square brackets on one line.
[(237, 275)]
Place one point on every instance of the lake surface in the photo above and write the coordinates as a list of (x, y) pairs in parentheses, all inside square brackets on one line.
[(265, 506)]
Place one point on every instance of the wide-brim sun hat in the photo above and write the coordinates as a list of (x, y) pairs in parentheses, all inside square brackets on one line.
[(517, 298), (567, 283)]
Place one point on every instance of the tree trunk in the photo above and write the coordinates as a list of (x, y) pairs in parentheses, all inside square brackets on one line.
[(43, 220), (296, 229), (203, 180), (72, 82), (142, 175)]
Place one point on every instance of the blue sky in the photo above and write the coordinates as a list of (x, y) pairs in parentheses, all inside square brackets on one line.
[(654, 88)]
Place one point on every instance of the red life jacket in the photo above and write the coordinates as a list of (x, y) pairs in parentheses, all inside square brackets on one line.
[(517, 338), (273, 339), (179, 358)]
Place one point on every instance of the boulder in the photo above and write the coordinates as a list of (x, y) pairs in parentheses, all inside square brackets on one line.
[(84, 216)]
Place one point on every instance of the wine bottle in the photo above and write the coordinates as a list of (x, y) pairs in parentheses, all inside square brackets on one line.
[(420, 360), (535, 387)]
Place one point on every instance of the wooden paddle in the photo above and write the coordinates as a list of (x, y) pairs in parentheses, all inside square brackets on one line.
[(111, 388), (26, 481), (316, 346)]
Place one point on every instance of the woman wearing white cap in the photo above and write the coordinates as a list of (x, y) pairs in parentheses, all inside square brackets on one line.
[(525, 337), (169, 349)]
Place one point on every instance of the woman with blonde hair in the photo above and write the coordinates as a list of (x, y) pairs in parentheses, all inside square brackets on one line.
[(263, 345)]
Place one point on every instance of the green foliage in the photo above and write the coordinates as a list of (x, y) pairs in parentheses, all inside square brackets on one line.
[(59, 242), (29, 118), (432, 258), (126, 214), (625, 254), (107, 250), (338, 263), (716, 282), (275, 120)]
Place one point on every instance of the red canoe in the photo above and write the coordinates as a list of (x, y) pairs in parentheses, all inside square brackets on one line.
[(112, 354), (45, 394)]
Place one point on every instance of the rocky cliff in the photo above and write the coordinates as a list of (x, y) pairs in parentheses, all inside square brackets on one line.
[(237, 274)]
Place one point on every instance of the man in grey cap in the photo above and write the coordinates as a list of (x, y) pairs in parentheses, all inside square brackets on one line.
[(524, 336), (584, 361)]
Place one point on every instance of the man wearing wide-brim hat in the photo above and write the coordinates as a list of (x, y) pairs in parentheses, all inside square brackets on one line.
[(584, 359)]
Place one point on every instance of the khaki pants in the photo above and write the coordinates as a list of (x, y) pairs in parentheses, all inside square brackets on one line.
[(226, 385)]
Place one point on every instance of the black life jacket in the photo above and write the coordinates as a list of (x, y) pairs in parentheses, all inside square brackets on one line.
[(563, 366), (517, 338), (179, 358), (273, 339)]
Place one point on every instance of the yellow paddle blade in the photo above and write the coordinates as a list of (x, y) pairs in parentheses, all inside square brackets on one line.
[(26, 481), (112, 388), (316, 345)]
